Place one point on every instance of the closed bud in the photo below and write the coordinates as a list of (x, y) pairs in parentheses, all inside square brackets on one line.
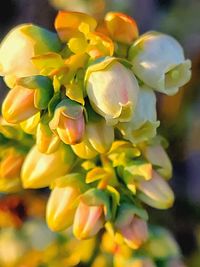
[(28, 97), (143, 123), (112, 90), (39, 169), (158, 60), (24, 42), (47, 142), (158, 157), (19, 105), (121, 27), (100, 135), (10, 169), (88, 220), (155, 192), (61, 207), (68, 122), (84, 150)]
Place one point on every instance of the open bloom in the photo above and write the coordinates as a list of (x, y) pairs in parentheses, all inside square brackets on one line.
[(156, 192), (112, 90), (158, 60), (88, 220), (39, 169), (68, 122), (20, 45), (143, 123)]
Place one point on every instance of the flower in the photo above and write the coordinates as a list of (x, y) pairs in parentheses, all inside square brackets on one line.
[(157, 155), (155, 192), (63, 201), (143, 123), (28, 97), (24, 42), (68, 122), (40, 169), (159, 62), (10, 169), (88, 220), (46, 141), (112, 90), (100, 135), (121, 27), (131, 224), (84, 150)]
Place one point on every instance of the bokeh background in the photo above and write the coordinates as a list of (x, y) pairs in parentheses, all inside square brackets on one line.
[(179, 114)]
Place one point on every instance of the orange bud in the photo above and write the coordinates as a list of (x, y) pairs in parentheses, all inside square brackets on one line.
[(19, 105), (121, 27)]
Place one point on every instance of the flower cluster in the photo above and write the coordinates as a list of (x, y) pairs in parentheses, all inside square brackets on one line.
[(86, 95)]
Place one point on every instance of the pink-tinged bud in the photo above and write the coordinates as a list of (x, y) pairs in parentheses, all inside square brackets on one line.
[(88, 220), (60, 207), (158, 157), (68, 122), (135, 232), (19, 105), (156, 192)]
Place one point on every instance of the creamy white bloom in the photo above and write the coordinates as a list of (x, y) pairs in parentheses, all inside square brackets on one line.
[(143, 123), (20, 45), (112, 90), (158, 60)]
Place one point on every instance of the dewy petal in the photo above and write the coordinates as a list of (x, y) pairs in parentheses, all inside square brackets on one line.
[(111, 90), (121, 27), (19, 105), (143, 123), (67, 24), (158, 60)]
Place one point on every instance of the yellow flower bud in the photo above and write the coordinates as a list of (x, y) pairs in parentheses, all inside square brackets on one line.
[(61, 207), (40, 169), (156, 192)]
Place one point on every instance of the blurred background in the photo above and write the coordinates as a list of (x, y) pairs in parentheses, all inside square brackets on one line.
[(179, 114)]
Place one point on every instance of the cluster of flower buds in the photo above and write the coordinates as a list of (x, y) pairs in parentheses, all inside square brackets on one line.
[(86, 95)]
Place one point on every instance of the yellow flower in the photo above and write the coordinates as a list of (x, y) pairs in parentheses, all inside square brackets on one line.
[(39, 169)]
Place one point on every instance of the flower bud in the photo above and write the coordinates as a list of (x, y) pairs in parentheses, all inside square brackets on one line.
[(158, 157), (68, 122), (143, 123), (10, 168), (100, 135), (28, 97), (159, 62), (121, 27), (29, 126), (46, 141), (155, 192), (24, 42), (135, 233), (40, 169), (88, 220), (84, 150), (112, 90), (61, 207), (19, 105)]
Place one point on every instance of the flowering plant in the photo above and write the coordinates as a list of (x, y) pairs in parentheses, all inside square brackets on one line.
[(80, 118)]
